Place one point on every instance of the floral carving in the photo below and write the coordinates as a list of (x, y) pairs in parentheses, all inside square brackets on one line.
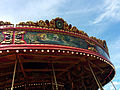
[(66, 27), (5, 23), (30, 23), (8, 37), (74, 29), (60, 24), (41, 23), (52, 24)]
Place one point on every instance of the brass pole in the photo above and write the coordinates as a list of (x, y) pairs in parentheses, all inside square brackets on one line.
[(112, 84), (52, 84), (98, 83), (84, 85), (43, 85), (54, 77), (14, 75), (108, 77)]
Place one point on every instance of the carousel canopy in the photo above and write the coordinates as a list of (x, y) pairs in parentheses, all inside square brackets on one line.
[(54, 54)]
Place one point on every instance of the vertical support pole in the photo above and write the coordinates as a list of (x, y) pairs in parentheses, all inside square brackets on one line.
[(52, 84), (98, 83), (14, 75), (84, 85), (22, 69), (54, 77), (61, 88), (43, 85), (112, 83), (71, 83)]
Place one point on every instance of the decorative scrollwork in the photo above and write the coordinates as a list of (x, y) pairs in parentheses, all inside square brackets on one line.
[(5, 23), (102, 42), (41, 23), (19, 37), (22, 23), (30, 23), (92, 49), (83, 33), (91, 46), (60, 24), (66, 26), (8, 37), (74, 29), (52, 24)]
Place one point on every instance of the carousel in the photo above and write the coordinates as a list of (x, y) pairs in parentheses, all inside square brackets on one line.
[(52, 55)]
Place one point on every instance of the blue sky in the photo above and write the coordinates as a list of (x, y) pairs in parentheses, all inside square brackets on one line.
[(99, 18)]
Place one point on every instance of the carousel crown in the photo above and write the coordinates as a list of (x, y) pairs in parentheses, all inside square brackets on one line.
[(57, 24)]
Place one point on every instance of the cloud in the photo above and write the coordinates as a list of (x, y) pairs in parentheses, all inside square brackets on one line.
[(114, 47), (116, 83), (110, 9), (109, 86), (23, 10), (79, 11)]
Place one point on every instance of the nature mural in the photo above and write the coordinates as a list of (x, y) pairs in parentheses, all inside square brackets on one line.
[(1, 37), (50, 38)]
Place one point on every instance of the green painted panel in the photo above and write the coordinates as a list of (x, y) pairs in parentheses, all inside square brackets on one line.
[(57, 39), (1, 37)]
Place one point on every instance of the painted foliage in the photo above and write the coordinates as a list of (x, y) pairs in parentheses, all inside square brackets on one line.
[(102, 52), (1, 37), (50, 38)]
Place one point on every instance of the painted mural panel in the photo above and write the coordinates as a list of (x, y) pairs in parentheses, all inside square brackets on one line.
[(30, 37), (1, 37), (47, 38), (50, 38), (102, 52)]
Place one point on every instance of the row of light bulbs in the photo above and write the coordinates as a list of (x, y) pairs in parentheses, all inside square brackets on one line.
[(35, 84), (63, 51)]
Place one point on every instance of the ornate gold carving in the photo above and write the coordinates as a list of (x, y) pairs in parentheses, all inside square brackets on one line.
[(30, 23), (8, 37), (1, 23), (74, 29), (41, 23), (5, 23), (83, 33), (22, 23), (18, 37), (52, 24), (102, 42), (66, 27), (105, 45), (90, 42), (92, 49), (91, 46)]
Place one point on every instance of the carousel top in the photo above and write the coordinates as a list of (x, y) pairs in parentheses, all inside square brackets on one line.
[(57, 24), (37, 44)]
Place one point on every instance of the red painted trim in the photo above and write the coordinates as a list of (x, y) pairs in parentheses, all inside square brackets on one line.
[(109, 74), (7, 28), (84, 37), (49, 46), (13, 37), (23, 37), (73, 34)]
